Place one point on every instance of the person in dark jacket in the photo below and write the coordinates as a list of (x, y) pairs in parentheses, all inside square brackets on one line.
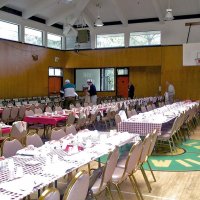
[(92, 91), (131, 90)]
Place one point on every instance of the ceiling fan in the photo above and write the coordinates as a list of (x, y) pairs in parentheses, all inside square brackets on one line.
[(169, 16)]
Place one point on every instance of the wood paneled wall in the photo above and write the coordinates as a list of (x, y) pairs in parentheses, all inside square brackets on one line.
[(124, 57), (146, 80), (186, 80), (21, 76)]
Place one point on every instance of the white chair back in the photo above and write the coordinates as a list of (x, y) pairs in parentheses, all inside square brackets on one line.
[(78, 187), (50, 194), (19, 130), (34, 140), (57, 134), (123, 115), (11, 147)]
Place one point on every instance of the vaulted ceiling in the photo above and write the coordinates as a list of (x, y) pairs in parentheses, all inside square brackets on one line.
[(112, 12)]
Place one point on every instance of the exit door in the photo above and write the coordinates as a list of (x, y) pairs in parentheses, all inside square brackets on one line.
[(122, 86), (55, 84)]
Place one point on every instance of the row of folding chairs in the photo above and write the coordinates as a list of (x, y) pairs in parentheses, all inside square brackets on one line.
[(182, 127), (115, 172)]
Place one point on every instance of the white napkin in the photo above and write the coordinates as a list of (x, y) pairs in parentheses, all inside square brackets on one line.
[(4, 197), (58, 168), (25, 184)]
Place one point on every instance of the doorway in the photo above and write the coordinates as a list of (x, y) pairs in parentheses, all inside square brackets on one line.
[(122, 86), (122, 80), (55, 81), (55, 85)]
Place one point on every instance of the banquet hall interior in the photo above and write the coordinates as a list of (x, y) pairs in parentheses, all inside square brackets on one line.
[(122, 146)]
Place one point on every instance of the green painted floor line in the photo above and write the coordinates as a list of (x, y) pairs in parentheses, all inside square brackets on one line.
[(189, 160)]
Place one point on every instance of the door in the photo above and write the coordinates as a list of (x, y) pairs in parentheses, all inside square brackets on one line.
[(55, 84), (122, 86)]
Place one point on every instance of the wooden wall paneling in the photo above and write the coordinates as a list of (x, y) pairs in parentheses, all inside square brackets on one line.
[(186, 80), (146, 80), (20, 75), (150, 56)]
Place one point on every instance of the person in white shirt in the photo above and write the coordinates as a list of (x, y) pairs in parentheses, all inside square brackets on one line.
[(69, 94), (170, 92)]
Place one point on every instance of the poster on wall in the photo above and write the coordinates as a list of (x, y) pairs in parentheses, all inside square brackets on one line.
[(191, 54)]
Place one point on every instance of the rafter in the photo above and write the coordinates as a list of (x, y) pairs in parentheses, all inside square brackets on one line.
[(3, 3), (36, 8), (75, 13), (158, 10), (88, 19), (119, 12), (192, 24), (198, 2)]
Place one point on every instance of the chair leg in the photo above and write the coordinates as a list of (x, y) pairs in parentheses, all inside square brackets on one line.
[(119, 192), (170, 147), (89, 169), (145, 178), (137, 187), (95, 197), (134, 188), (174, 146), (109, 192), (154, 178)]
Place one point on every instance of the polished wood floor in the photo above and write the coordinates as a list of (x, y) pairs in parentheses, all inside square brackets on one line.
[(169, 185)]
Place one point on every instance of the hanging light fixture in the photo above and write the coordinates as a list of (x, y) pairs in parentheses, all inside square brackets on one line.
[(98, 21), (169, 16)]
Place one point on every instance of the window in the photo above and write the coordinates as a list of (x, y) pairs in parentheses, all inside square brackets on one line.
[(145, 38), (110, 40), (108, 79), (54, 41), (9, 31), (82, 75), (122, 71), (103, 79), (55, 71), (32, 36)]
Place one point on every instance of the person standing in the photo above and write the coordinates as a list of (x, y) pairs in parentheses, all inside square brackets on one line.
[(92, 91), (170, 92), (87, 96), (131, 90), (69, 94)]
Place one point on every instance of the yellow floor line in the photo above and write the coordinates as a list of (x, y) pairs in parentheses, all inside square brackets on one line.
[(146, 195)]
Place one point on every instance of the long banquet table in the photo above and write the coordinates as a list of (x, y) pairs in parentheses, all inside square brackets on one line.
[(38, 167), (147, 122), (4, 131), (45, 119)]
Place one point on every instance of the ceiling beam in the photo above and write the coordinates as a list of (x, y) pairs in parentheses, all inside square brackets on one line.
[(60, 16), (36, 8), (119, 13), (73, 12), (198, 4), (192, 23), (158, 10), (88, 19), (3, 3)]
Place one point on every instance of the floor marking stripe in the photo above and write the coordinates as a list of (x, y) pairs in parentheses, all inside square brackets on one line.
[(146, 195)]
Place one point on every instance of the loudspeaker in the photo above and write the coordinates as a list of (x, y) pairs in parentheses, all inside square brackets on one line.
[(83, 36)]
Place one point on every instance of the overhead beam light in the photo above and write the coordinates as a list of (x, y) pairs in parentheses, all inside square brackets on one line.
[(98, 21), (169, 16)]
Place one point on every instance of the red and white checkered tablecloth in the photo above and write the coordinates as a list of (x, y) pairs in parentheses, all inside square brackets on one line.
[(49, 120), (141, 128)]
